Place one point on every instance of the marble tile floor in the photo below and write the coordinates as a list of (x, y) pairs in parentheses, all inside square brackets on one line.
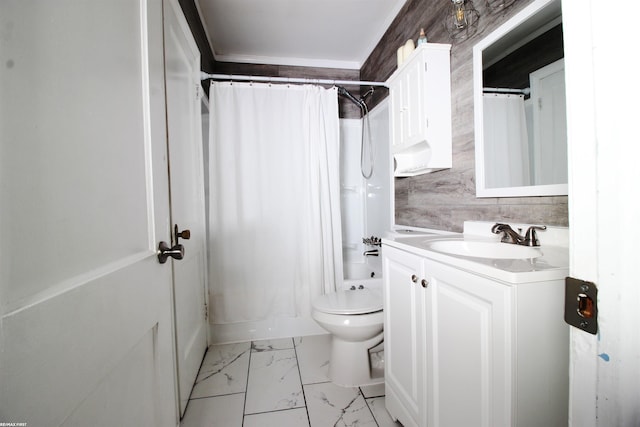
[(279, 383)]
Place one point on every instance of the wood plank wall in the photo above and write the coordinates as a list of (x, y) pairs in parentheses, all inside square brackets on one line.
[(441, 200), (346, 108), (444, 200), (207, 61)]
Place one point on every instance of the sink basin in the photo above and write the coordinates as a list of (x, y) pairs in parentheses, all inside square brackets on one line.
[(494, 250)]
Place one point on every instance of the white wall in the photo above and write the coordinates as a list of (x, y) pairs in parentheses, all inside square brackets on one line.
[(378, 192), (352, 202)]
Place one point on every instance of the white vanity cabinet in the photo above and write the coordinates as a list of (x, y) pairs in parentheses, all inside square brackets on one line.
[(420, 109), (463, 349)]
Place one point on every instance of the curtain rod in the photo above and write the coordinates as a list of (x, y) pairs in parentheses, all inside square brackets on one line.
[(205, 76), (525, 91)]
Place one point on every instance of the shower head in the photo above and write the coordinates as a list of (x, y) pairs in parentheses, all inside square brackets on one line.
[(367, 94)]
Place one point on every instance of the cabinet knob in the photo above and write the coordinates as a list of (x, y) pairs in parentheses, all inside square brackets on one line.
[(414, 278), (424, 283)]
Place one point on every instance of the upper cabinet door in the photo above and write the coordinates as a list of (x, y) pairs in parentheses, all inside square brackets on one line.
[(414, 81), (397, 112)]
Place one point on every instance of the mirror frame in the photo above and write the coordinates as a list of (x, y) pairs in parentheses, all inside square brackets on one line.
[(517, 22)]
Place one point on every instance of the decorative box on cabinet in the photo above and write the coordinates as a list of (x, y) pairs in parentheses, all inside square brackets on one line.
[(462, 349), (420, 109)]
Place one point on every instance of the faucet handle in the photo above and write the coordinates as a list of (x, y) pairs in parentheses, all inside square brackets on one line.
[(530, 237), (499, 227), (508, 236)]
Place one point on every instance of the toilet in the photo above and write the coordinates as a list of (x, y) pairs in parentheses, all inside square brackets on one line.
[(355, 320)]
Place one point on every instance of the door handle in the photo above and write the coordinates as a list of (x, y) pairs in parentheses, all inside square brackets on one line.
[(165, 251)]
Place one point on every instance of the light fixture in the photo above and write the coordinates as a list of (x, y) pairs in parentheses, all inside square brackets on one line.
[(459, 15), (461, 19)]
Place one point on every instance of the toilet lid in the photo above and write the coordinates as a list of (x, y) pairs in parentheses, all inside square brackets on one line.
[(360, 301)]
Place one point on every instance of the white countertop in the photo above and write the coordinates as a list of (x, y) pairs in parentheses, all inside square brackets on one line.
[(553, 264)]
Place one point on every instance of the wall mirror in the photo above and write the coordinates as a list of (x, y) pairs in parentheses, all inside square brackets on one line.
[(520, 106)]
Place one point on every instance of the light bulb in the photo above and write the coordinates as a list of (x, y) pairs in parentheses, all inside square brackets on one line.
[(459, 15)]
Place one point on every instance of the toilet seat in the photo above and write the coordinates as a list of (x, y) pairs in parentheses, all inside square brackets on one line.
[(360, 301)]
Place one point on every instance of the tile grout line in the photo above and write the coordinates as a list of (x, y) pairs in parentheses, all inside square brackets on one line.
[(246, 388), (216, 395), (319, 382), (204, 356), (304, 395), (366, 402)]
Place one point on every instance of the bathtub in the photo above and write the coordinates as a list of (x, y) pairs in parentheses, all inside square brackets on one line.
[(372, 268), (367, 274), (355, 274)]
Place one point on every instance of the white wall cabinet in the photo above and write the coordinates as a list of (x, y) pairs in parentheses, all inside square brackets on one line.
[(463, 349), (420, 110)]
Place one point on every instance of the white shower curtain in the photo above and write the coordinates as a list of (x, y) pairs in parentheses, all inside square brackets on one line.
[(274, 199), (506, 143)]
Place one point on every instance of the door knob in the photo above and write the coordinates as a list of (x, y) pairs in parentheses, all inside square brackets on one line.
[(165, 251)]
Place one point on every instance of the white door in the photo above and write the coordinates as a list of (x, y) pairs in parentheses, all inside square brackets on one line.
[(549, 124), (85, 331), (182, 62), (603, 142)]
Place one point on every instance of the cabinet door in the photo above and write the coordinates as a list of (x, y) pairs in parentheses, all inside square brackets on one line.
[(396, 110), (414, 101), (407, 104), (404, 336), (469, 362), (436, 105)]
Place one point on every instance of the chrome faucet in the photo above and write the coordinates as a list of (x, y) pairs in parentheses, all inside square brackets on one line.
[(372, 252), (530, 237)]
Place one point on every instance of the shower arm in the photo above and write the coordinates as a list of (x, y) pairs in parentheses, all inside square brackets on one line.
[(359, 102)]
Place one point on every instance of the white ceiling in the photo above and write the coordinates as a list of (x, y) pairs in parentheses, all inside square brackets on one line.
[(313, 33)]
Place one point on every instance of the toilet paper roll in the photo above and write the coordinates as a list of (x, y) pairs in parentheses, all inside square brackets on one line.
[(404, 162), (412, 159)]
